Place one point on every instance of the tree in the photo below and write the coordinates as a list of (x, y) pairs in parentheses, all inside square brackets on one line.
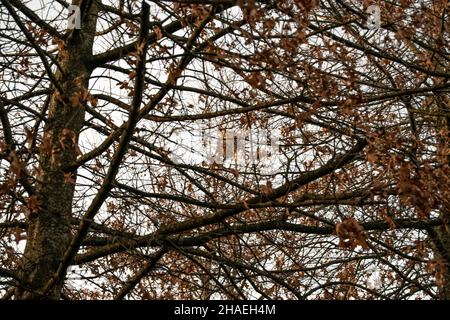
[(135, 156)]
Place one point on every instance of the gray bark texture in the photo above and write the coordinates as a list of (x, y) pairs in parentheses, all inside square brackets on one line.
[(49, 231)]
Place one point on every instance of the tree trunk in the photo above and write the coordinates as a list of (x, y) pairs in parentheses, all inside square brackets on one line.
[(48, 233)]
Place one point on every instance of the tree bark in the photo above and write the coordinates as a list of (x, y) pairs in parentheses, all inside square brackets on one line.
[(49, 233)]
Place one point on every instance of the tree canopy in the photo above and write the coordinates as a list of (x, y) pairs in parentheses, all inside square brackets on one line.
[(233, 149)]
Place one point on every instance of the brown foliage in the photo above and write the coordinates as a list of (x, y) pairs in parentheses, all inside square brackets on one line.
[(116, 152)]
